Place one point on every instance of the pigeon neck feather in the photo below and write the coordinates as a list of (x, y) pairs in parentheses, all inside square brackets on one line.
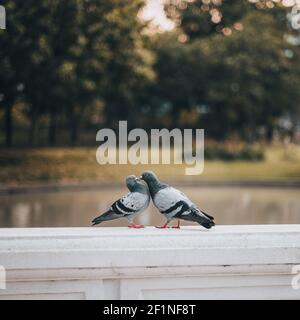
[(138, 187), (155, 186)]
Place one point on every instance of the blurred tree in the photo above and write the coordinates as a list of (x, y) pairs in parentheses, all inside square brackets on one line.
[(181, 76), (108, 61), (129, 69), (234, 65), (250, 80), (36, 41), (251, 73), (11, 63), (63, 56), (8, 96), (202, 18)]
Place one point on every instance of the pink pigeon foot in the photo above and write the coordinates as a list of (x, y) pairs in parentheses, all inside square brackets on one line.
[(136, 226), (177, 226), (165, 226)]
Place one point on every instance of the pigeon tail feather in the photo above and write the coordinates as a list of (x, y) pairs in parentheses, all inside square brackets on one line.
[(207, 224), (207, 215), (104, 217), (196, 216)]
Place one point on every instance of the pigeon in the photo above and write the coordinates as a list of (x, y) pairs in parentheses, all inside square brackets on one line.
[(174, 204), (130, 205)]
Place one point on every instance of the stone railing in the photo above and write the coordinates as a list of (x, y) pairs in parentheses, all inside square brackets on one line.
[(227, 262)]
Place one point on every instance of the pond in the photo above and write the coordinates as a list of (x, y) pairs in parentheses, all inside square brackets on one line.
[(230, 205)]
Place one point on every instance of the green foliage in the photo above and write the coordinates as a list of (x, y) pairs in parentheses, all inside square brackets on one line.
[(200, 19), (251, 81), (180, 71), (228, 154), (229, 65), (61, 58), (244, 74)]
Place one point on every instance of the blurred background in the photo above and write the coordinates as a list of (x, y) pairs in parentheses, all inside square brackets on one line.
[(70, 68)]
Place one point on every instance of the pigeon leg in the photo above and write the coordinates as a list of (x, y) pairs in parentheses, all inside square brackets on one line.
[(135, 226), (165, 226), (178, 225)]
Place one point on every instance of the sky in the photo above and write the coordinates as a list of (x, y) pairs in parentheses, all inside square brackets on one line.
[(154, 11)]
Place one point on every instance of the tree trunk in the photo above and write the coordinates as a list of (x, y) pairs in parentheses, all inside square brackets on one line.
[(73, 129), (52, 128), (269, 133), (32, 129), (109, 115), (8, 124)]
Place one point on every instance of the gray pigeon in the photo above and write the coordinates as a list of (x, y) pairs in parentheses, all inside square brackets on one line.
[(174, 204), (130, 205)]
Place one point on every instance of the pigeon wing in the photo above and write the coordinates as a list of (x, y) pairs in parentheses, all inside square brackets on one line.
[(132, 203), (175, 204), (172, 202), (182, 197)]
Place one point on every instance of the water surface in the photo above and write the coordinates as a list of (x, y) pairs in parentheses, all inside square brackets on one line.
[(230, 205)]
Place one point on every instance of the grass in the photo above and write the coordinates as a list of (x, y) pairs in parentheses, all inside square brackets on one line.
[(75, 165)]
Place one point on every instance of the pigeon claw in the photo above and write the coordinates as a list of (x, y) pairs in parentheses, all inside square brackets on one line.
[(136, 226), (177, 226), (165, 226)]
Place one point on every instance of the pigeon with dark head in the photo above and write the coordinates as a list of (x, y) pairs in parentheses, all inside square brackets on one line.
[(174, 204), (130, 205)]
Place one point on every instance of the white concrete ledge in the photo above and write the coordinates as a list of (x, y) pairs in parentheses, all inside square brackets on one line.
[(251, 262)]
